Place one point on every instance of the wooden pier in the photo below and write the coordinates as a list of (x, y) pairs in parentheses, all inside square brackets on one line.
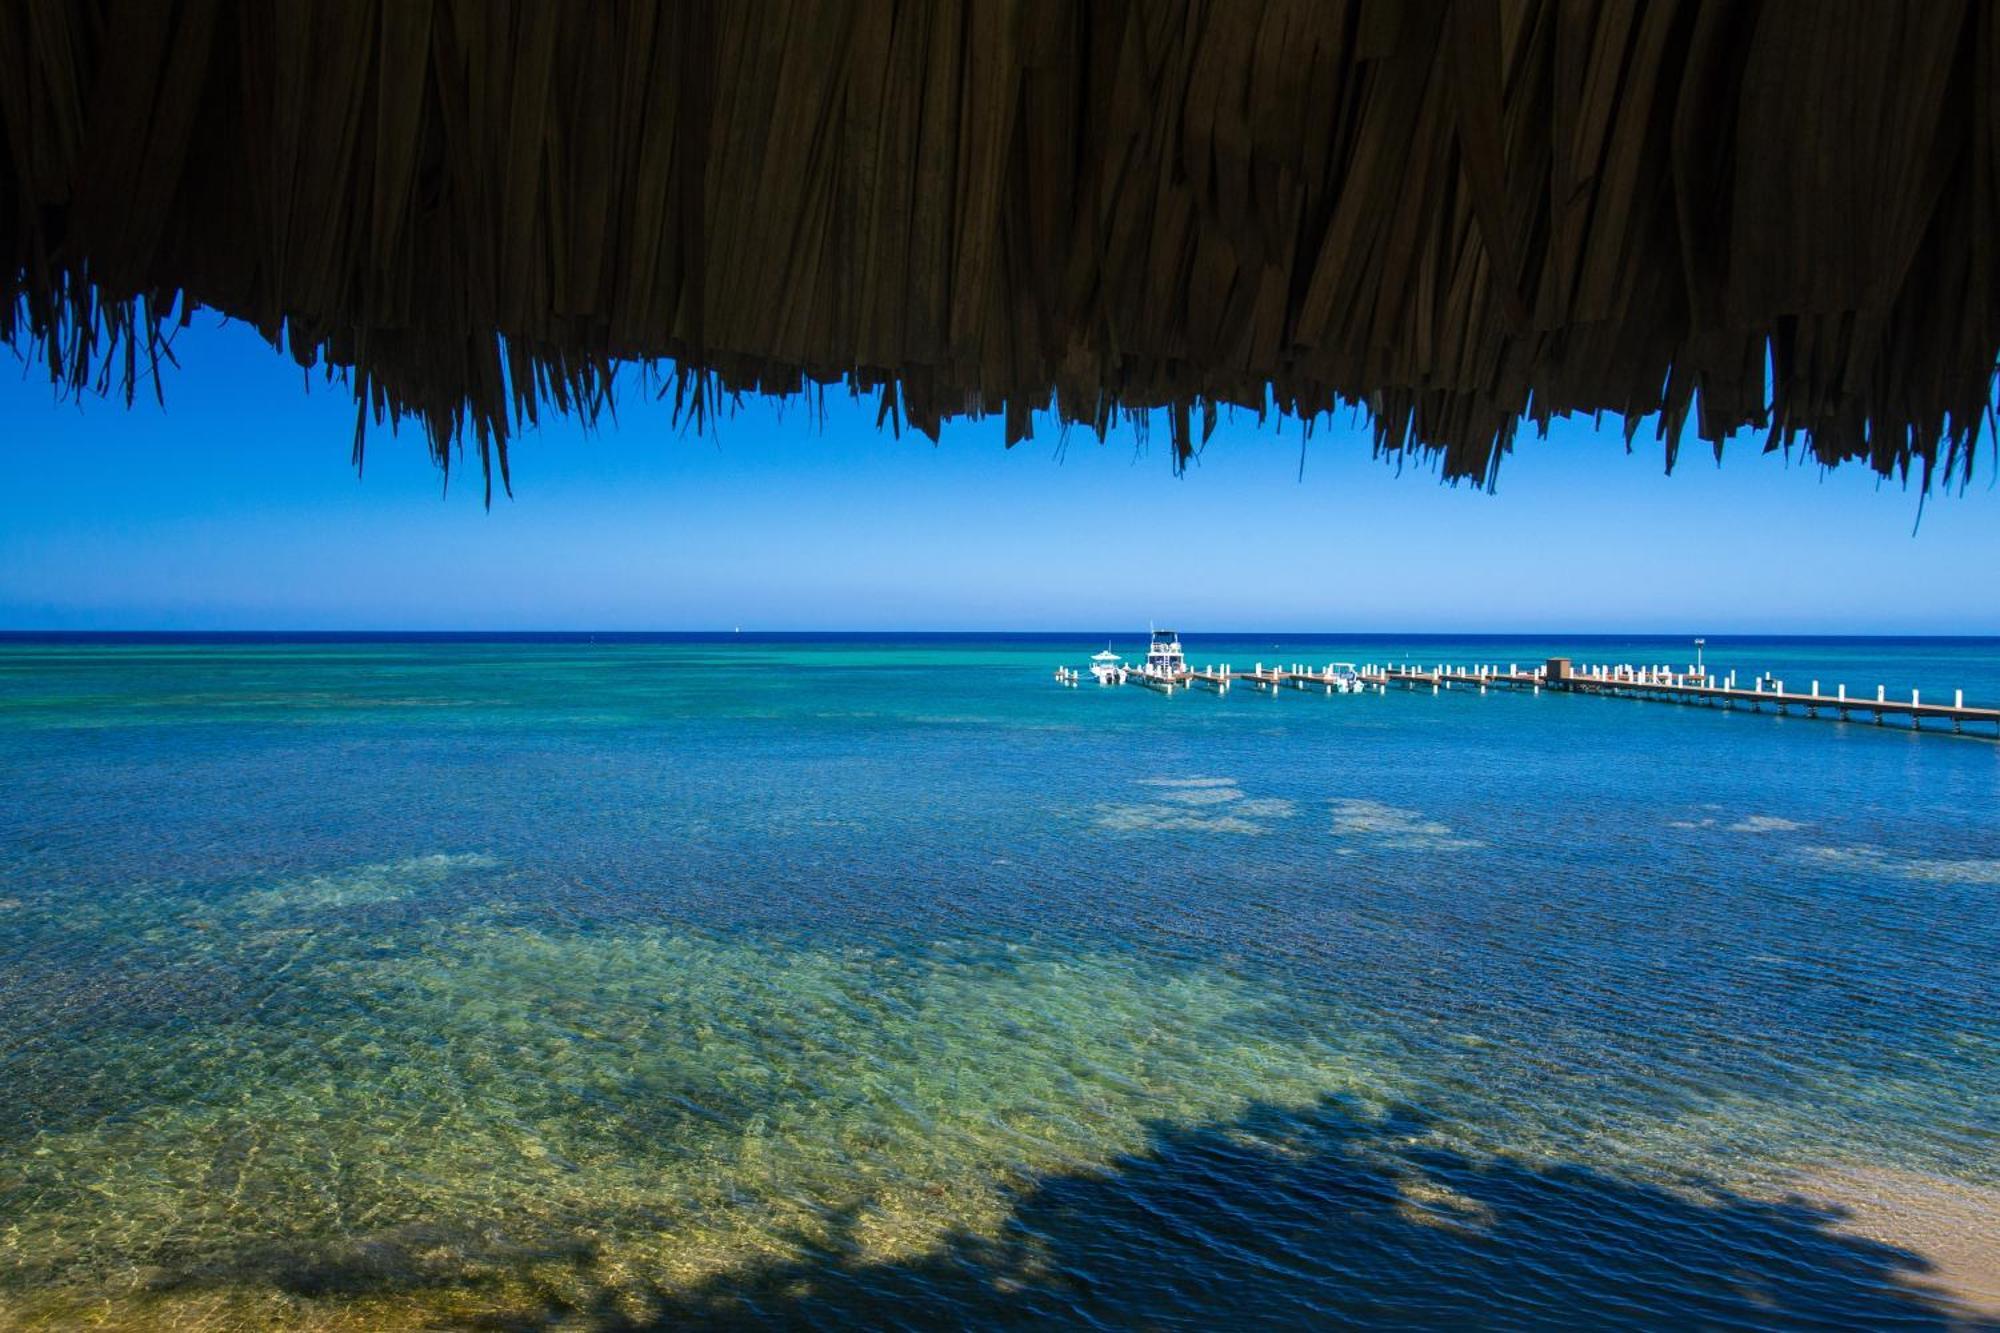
[(1659, 684)]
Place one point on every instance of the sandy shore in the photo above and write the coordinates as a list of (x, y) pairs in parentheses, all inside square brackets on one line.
[(1952, 1224)]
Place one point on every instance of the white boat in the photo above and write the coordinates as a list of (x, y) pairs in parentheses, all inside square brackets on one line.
[(1164, 657), (1344, 678), (1165, 666)]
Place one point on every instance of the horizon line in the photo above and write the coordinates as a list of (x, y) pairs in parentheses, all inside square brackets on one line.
[(15, 632)]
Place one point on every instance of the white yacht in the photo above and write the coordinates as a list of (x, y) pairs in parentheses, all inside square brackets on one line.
[(1164, 656), (1108, 667)]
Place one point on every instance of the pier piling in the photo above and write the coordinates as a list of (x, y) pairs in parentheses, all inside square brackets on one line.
[(1656, 682)]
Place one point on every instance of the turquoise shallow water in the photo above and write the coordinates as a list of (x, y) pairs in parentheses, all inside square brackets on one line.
[(878, 982)]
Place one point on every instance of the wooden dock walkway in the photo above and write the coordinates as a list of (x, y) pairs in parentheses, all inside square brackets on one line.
[(1559, 675)]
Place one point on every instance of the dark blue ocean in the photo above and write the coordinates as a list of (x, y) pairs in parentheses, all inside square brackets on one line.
[(874, 982)]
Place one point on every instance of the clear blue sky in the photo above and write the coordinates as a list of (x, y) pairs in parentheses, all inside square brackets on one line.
[(236, 508)]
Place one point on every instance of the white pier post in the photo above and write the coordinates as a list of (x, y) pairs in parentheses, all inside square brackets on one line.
[(1881, 693), (1958, 698), (1815, 689)]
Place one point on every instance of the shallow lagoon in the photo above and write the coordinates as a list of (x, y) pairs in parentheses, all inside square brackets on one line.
[(871, 982)]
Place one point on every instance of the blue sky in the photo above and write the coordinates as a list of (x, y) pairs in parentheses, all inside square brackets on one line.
[(236, 508)]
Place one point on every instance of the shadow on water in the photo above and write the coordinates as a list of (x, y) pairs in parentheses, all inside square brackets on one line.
[(1289, 1218), (1279, 1219)]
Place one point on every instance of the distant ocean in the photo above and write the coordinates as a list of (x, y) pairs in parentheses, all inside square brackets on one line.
[(877, 981)]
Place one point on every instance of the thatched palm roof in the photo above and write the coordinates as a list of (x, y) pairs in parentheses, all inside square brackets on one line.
[(1455, 213)]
